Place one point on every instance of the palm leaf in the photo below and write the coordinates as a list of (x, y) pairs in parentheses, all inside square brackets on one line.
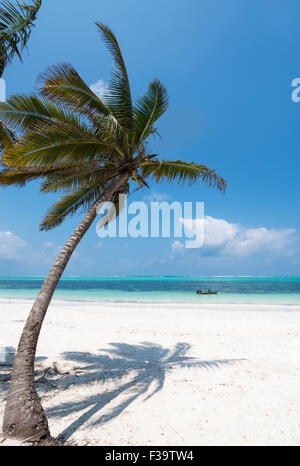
[(68, 205), (118, 95), (20, 176), (180, 171), (83, 198), (56, 147), (63, 85), (16, 22), (78, 178), (148, 109), (25, 112)]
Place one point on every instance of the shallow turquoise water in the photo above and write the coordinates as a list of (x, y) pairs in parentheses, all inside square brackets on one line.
[(273, 290)]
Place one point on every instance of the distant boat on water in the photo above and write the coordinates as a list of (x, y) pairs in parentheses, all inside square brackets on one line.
[(206, 292)]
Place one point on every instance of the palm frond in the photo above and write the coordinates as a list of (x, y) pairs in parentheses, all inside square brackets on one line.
[(20, 177), (148, 109), (63, 85), (118, 95), (26, 112), (63, 177), (68, 205), (16, 23), (179, 171), (51, 149), (56, 147), (78, 178), (81, 199)]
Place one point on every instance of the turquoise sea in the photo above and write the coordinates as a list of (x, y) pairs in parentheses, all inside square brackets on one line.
[(273, 290)]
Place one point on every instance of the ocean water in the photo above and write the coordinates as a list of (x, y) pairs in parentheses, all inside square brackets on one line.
[(273, 290)]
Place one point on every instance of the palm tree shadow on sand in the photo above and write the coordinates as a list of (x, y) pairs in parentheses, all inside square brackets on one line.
[(146, 365)]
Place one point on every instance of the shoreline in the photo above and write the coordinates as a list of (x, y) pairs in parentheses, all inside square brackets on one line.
[(151, 304), (193, 304)]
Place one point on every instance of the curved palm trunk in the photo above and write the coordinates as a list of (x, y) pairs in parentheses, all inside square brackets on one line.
[(24, 417)]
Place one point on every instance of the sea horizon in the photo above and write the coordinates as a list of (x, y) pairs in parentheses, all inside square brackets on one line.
[(243, 289), (154, 276)]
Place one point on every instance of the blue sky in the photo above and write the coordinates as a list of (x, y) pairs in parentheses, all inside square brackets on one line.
[(228, 67)]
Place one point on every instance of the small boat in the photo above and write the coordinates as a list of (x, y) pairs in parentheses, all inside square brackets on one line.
[(206, 292)]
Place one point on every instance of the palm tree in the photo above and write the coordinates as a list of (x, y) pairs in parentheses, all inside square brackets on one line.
[(16, 23), (91, 149)]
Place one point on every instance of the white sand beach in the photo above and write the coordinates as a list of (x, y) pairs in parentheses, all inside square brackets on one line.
[(165, 374)]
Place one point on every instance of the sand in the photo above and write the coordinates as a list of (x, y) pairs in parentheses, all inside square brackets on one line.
[(164, 374)]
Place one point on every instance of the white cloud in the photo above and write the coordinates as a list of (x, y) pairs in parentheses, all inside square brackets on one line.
[(48, 244), (99, 88), (176, 247), (261, 240), (156, 197), (10, 245), (225, 239)]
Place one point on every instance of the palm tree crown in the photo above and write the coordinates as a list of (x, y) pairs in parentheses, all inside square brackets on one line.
[(78, 143)]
